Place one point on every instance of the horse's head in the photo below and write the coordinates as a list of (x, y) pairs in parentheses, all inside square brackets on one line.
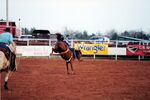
[(60, 47)]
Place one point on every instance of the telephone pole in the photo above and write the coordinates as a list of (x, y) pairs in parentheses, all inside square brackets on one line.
[(7, 20)]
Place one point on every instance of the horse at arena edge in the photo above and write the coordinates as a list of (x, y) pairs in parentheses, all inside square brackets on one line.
[(5, 63)]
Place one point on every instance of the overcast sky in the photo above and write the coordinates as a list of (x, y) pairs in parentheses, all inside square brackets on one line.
[(91, 15)]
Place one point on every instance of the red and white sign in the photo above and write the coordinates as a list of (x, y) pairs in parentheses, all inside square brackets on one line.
[(135, 49)]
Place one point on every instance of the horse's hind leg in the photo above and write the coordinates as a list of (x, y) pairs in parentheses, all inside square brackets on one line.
[(6, 86), (67, 68), (71, 68), (6, 80)]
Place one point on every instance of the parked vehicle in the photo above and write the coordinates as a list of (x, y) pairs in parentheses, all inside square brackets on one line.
[(100, 38), (41, 34), (26, 36)]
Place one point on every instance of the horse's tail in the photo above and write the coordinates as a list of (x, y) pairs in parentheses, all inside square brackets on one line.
[(1, 60)]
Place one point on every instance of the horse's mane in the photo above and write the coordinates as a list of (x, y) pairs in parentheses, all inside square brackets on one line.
[(61, 46)]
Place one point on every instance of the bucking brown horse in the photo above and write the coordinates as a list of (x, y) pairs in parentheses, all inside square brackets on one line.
[(65, 53)]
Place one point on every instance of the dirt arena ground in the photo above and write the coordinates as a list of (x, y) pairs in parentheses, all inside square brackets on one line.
[(46, 79)]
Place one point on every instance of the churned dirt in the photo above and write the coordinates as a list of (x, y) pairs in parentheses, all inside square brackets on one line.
[(47, 79)]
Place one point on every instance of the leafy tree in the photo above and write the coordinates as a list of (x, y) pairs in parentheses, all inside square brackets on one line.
[(125, 33), (148, 36), (27, 31), (85, 35), (98, 34), (112, 35), (78, 35), (92, 35), (31, 30)]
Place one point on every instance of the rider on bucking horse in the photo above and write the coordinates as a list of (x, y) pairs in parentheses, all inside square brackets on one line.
[(60, 37), (6, 39)]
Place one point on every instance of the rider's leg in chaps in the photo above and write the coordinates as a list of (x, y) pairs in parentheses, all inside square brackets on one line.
[(6, 81), (13, 62)]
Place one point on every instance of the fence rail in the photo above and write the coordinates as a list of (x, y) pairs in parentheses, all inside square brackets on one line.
[(116, 49), (51, 42)]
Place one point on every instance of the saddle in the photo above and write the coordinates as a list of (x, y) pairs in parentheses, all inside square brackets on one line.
[(7, 55)]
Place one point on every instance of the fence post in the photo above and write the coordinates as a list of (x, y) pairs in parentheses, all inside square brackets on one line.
[(94, 52), (139, 57), (94, 55), (116, 51), (28, 42), (143, 57), (71, 43), (49, 42)]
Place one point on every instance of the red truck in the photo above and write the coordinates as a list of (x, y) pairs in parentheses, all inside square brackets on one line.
[(12, 26)]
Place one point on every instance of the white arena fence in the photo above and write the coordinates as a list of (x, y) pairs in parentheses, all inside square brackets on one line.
[(89, 48)]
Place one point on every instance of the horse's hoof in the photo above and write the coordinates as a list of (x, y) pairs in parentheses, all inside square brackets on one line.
[(5, 87), (80, 59), (15, 69), (72, 73)]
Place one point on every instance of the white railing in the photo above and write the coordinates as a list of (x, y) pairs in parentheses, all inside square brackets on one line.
[(51, 42), (114, 46)]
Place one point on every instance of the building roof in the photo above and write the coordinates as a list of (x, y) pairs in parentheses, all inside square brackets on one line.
[(41, 31)]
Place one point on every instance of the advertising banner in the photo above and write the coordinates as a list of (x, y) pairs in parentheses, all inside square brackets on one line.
[(34, 50), (136, 49), (91, 49)]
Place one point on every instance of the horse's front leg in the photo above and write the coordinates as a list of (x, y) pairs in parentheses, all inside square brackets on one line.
[(6, 80), (72, 71), (52, 51)]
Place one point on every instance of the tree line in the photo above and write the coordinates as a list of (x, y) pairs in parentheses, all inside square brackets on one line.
[(112, 34)]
